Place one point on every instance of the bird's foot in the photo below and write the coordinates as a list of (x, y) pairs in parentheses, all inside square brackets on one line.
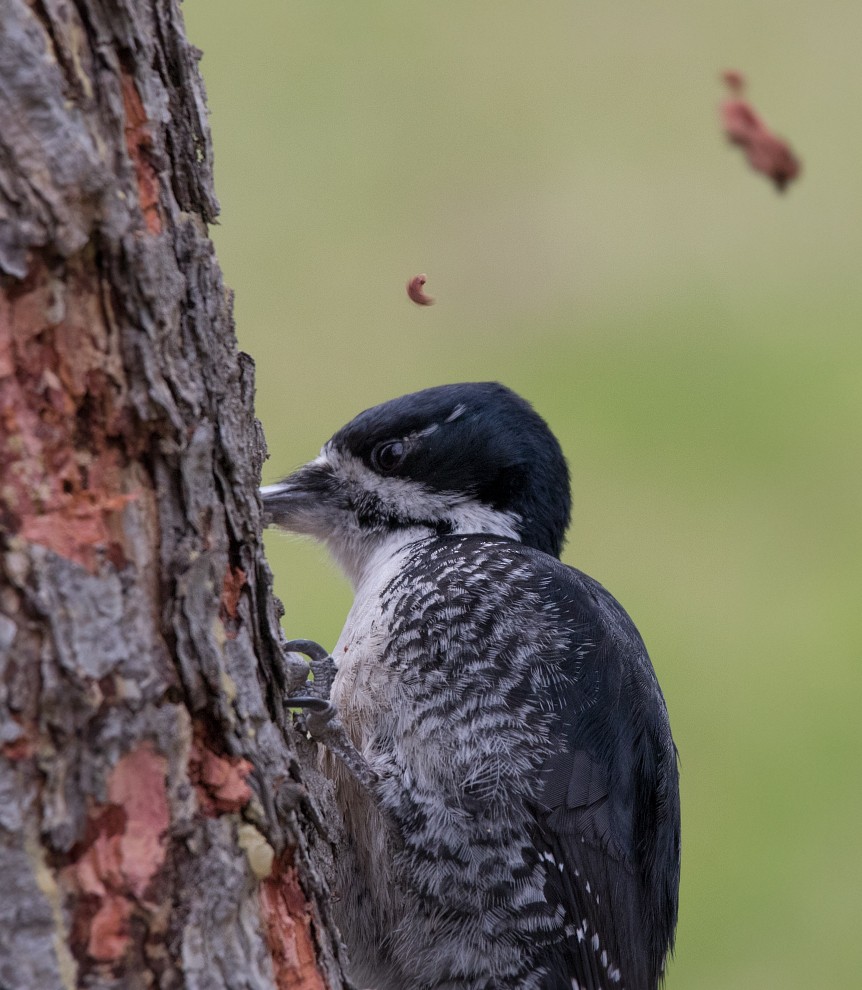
[(322, 668), (320, 717)]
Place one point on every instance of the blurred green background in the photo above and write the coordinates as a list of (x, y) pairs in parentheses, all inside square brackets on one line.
[(693, 338)]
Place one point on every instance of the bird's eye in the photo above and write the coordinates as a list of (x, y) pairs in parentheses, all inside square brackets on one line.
[(388, 455)]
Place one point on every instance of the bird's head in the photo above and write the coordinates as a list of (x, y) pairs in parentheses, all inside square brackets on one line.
[(470, 458)]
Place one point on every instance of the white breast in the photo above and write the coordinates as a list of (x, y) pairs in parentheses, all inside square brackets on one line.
[(366, 694), (364, 690)]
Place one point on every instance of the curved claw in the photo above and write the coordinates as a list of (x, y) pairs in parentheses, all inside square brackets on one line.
[(310, 649), (322, 670)]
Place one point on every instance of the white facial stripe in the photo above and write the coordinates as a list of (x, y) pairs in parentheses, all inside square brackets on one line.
[(474, 517), (419, 434), (459, 410), (409, 499)]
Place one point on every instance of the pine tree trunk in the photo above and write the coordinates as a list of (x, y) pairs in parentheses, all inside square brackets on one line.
[(154, 827)]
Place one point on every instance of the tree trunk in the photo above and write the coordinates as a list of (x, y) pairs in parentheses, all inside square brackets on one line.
[(154, 827)]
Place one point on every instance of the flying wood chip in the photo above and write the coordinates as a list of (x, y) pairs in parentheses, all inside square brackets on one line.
[(766, 152), (416, 293)]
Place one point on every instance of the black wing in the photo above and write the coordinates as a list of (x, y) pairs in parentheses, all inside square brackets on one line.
[(607, 820), (603, 806)]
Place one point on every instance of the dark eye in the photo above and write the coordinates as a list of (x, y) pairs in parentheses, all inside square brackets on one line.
[(388, 455)]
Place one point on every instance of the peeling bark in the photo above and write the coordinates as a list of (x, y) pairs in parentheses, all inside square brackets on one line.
[(159, 827)]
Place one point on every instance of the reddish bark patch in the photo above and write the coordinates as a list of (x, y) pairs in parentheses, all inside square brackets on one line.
[(235, 580), (25, 745), (139, 144), (63, 422), (220, 781), (289, 929), (22, 748), (416, 291), (79, 529), (123, 850), (766, 153), (109, 928), (137, 785)]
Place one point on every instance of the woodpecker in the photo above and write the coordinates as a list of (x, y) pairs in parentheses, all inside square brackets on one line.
[(498, 742)]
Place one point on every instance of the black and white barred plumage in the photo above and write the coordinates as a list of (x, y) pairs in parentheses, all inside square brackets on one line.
[(518, 823)]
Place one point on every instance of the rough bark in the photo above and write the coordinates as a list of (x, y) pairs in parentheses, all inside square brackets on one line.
[(157, 827)]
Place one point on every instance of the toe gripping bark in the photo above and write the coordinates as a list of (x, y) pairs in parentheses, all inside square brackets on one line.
[(320, 719)]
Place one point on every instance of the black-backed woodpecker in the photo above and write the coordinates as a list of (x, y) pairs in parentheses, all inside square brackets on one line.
[(502, 754)]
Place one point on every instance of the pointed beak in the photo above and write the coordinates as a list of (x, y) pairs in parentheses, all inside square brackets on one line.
[(304, 502)]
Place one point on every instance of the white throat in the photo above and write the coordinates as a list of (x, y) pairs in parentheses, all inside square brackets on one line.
[(360, 553), (361, 556)]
